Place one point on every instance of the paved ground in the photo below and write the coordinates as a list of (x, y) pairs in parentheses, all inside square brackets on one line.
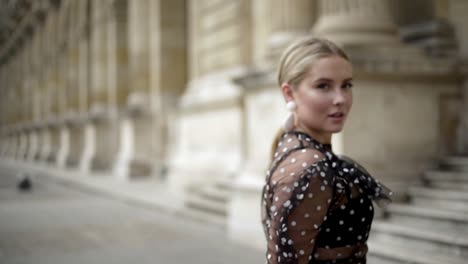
[(57, 224)]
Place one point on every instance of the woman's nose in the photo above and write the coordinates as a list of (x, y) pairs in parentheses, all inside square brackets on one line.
[(339, 97)]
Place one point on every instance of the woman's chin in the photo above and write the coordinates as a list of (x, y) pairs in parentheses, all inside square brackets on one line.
[(335, 129)]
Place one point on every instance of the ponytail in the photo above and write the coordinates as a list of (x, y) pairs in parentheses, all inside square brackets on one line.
[(274, 145)]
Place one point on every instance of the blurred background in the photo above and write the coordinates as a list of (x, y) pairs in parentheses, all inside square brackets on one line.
[(171, 107)]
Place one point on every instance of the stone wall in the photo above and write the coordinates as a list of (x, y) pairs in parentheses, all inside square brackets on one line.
[(186, 92)]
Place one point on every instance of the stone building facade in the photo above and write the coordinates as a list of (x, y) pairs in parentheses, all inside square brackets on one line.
[(185, 92)]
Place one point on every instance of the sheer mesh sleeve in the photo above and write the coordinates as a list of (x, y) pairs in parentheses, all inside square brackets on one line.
[(301, 192)]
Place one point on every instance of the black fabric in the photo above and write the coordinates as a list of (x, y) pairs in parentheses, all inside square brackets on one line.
[(314, 199)]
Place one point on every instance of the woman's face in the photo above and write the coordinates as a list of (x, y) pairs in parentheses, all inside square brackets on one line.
[(324, 97)]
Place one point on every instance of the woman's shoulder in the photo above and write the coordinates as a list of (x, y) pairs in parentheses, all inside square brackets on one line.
[(294, 141), (297, 163)]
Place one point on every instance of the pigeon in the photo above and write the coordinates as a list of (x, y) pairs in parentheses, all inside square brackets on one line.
[(24, 182)]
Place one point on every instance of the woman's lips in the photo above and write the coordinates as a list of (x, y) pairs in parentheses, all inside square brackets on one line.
[(339, 116)]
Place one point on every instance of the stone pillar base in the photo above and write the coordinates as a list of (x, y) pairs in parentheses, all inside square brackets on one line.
[(45, 147), (121, 167), (3, 144), (244, 223), (54, 144), (22, 147), (64, 146), (89, 147), (204, 151), (104, 137), (77, 144), (12, 146), (33, 145), (137, 155)]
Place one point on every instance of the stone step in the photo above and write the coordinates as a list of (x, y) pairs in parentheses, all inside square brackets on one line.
[(430, 217), (445, 176), (427, 239), (204, 217), (210, 199), (374, 259), (405, 254), (445, 204), (201, 203), (214, 193), (455, 163), (224, 184), (439, 194), (462, 186)]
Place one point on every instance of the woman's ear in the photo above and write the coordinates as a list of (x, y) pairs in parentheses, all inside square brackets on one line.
[(287, 91)]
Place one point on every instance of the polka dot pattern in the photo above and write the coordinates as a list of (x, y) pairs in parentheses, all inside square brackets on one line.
[(310, 206)]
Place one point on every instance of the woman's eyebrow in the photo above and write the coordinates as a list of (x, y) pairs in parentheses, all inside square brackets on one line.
[(331, 80), (323, 80)]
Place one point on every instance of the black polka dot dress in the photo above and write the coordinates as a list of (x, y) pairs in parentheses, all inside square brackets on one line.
[(317, 207)]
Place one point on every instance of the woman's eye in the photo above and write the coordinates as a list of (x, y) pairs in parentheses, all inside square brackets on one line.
[(348, 85), (322, 85)]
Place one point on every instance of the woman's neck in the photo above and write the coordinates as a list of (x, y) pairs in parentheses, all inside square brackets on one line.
[(324, 138)]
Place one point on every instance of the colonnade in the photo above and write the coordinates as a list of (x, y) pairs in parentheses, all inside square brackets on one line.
[(145, 87), (89, 73)]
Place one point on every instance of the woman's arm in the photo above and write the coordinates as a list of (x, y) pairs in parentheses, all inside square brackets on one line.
[(301, 195)]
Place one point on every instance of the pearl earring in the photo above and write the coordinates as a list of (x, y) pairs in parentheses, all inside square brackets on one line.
[(289, 122)]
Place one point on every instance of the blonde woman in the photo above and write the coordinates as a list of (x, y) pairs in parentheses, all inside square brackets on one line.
[(317, 207)]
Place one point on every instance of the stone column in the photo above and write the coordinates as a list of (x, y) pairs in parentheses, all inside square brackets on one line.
[(137, 127), (111, 49), (122, 52), (126, 59), (73, 37), (288, 21), (61, 132), (220, 48), (79, 76), (98, 56), (156, 69), (17, 105), (42, 90), (103, 130), (454, 11), (28, 82), (6, 114), (71, 132), (83, 58), (70, 60), (275, 24), (3, 123), (51, 108), (462, 131), (34, 111), (56, 88), (96, 85), (23, 103), (170, 60), (356, 22), (11, 111)]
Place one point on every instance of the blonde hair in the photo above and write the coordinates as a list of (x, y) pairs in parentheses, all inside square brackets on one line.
[(296, 61)]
